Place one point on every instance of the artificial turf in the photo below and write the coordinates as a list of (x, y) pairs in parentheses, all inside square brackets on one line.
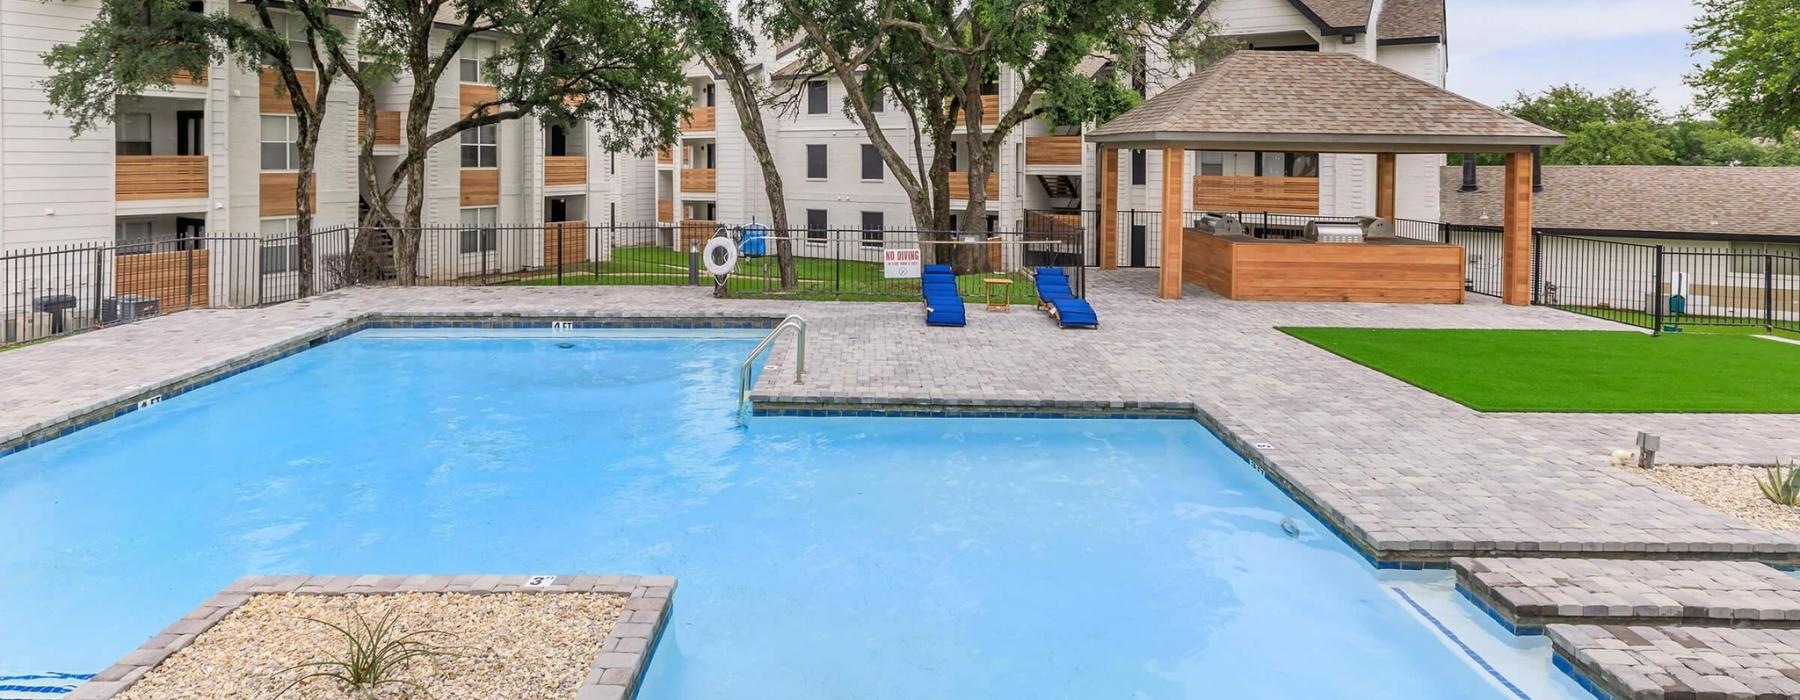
[(1579, 371)]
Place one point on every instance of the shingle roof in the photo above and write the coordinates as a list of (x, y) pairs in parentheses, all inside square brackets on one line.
[(1336, 16), (1336, 103), (1647, 198), (1411, 21)]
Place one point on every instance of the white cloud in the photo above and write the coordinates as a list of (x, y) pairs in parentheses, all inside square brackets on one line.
[(1481, 27)]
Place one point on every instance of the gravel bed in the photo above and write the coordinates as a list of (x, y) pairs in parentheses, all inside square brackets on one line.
[(506, 645), (1727, 487)]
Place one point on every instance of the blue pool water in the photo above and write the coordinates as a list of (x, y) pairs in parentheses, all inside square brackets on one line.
[(818, 557)]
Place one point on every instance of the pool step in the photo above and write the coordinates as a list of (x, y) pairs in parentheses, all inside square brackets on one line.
[(1646, 663), (1525, 594)]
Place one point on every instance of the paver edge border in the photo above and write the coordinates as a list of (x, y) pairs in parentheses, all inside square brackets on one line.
[(613, 675)]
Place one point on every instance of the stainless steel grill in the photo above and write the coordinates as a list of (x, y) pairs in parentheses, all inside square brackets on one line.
[(1334, 232), (1219, 224)]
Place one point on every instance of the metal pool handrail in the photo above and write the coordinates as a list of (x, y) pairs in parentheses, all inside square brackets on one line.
[(793, 321)]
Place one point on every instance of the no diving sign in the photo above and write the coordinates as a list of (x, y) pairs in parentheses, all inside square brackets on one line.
[(900, 262)]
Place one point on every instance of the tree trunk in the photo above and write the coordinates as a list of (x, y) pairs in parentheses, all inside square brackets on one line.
[(406, 242), (303, 206), (744, 100)]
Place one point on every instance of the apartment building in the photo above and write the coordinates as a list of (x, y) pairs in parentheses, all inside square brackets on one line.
[(833, 179)]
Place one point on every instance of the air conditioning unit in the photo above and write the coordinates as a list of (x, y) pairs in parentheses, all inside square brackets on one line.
[(126, 308)]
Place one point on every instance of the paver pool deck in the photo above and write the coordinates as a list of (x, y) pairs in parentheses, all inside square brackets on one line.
[(1409, 477)]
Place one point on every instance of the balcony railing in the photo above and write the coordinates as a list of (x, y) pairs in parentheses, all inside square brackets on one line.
[(1281, 195), (665, 211), (387, 126), (1053, 150), (183, 77), (990, 111), (701, 119), (959, 185), (565, 170), (140, 178), (665, 157), (696, 231), (565, 242), (699, 180)]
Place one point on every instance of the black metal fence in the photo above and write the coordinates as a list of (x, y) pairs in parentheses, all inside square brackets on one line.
[(1139, 232), (55, 291), (1662, 287)]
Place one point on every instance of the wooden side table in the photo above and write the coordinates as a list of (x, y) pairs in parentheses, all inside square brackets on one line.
[(1005, 286)]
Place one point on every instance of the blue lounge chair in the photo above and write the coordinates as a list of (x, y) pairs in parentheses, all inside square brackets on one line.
[(1054, 294), (943, 304), (943, 269)]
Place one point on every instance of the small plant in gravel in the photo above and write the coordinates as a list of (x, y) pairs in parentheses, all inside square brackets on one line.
[(1781, 484), (375, 656)]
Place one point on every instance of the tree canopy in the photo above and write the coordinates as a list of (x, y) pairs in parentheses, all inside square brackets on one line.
[(1629, 127), (1753, 81)]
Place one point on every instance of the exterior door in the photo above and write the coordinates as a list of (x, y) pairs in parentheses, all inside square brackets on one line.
[(190, 130), (188, 233)]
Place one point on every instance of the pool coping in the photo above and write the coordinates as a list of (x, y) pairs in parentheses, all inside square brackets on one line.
[(613, 675)]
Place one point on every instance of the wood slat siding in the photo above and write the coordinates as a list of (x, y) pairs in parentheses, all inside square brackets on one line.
[(1174, 164), (1041, 222), (273, 97), (665, 157), (990, 111), (665, 211), (275, 193), (185, 78), (568, 248), (387, 126), (1282, 195), (701, 119), (565, 170), (1109, 207), (470, 95), (696, 231), (166, 276), (1053, 150), (959, 185), (699, 180), (1303, 271), (480, 187), (137, 178)]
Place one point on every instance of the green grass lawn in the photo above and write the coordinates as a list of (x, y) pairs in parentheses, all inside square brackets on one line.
[(820, 279), (1579, 371)]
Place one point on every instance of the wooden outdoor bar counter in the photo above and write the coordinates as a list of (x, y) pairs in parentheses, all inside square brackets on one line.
[(1393, 270)]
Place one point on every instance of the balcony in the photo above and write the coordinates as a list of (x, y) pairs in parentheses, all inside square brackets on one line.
[(142, 178), (387, 126), (1278, 195), (665, 157), (565, 170), (565, 242), (701, 119), (990, 111), (959, 185), (183, 77), (665, 211), (699, 180), (1053, 150)]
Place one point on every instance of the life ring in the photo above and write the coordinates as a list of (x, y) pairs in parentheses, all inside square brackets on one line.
[(720, 256)]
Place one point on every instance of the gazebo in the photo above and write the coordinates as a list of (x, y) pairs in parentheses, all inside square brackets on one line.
[(1316, 102)]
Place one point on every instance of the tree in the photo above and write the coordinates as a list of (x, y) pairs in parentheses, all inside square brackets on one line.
[(607, 62), (1753, 83), (133, 46), (1631, 142), (952, 52), (708, 29), (1569, 108)]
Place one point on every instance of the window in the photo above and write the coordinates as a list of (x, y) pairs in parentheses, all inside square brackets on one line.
[(298, 49), (1303, 165), (472, 58), (1140, 167), (816, 97), (1212, 163), (815, 161), (877, 103), (131, 134), (478, 234), (280, 247), (871, 229), (133, 237), (280, 143), (481, 147), (710, 95), (816, 224), (871, 162)]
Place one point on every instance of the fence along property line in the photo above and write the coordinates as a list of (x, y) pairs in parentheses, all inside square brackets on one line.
[(55, 291), (1633, 283)]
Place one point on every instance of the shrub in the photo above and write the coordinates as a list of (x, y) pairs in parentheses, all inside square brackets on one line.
[(375, 656), (1781, 484)]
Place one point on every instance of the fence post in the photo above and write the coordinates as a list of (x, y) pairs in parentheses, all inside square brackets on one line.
[(1769, 293), (1656, 294), (1537, 267), (559, 255), (693, 260), (99, 284), (190, 280), (349, 260)]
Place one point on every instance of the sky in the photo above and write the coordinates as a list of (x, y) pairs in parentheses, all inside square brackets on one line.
[(1499, 47)]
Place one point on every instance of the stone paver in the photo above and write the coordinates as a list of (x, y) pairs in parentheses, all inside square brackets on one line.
[(614, 675), (1406, 475), (1650, 663), (1527, 594)]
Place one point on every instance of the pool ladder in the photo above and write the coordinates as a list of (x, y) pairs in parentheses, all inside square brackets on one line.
[(793, 321)]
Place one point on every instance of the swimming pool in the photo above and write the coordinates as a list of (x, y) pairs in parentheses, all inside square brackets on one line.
[(818, 557)]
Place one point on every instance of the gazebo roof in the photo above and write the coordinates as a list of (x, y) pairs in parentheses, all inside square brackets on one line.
[(1305, 101)]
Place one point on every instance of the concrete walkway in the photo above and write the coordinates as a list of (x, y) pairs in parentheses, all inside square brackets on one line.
[(1411, 477)]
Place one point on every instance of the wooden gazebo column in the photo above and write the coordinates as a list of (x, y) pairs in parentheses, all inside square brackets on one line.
[(1173, 173), (1515, 245), (1108, 207), (1384, 186)]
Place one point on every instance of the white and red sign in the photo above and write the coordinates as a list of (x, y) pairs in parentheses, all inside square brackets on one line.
[(900, 262)]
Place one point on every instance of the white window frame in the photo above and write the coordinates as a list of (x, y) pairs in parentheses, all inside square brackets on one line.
[(473, 56), (880, 233), (291, 154), (817, 236), (484, 139), (482, 231), (272, 228)]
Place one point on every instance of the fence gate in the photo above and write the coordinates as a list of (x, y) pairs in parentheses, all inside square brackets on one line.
[(1482, 257)]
